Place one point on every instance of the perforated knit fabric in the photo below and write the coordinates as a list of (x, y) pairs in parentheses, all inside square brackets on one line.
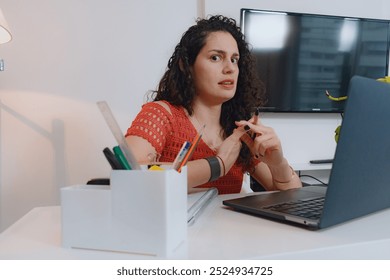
[(167, 133)]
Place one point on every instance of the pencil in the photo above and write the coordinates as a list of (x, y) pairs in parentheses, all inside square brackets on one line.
[(192, 148), (256, 118)]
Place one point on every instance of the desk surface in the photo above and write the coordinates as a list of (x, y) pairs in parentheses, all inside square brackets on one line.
[(218, 233)]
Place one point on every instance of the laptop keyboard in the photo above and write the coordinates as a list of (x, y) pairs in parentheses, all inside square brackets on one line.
[(310, 209)]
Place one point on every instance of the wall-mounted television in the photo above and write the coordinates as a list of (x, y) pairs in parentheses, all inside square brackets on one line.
[(301, 56)]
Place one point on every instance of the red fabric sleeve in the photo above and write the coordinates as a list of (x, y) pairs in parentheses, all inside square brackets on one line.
[(152, 123)]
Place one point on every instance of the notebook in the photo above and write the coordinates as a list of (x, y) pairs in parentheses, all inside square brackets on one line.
[(359, 182)]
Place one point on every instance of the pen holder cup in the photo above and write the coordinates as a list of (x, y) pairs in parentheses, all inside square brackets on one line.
[(142, 212), (149, 208)]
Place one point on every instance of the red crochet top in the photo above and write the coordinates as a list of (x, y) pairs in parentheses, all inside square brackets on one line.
[(167, 133)]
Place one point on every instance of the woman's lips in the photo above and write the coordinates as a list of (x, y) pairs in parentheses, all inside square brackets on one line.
[(227, 83)]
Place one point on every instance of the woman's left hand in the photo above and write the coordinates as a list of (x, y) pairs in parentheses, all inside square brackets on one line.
[(264, 144)]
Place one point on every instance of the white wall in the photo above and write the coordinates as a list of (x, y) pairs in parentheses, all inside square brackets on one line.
[(64, 56), (370, 9), (68, 54)]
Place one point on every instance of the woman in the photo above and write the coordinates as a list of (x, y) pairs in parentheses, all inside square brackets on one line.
[(210, 86)]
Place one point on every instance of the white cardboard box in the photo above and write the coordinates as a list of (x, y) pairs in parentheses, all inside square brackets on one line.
[(141, 212)]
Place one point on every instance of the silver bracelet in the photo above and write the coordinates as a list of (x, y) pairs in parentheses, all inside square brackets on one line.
[(215, 168)]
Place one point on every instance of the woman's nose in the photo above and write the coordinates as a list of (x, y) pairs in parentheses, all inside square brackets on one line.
[(229, 67)]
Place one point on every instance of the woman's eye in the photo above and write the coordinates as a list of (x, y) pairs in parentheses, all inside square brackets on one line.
[(235, 60), (215, 58)]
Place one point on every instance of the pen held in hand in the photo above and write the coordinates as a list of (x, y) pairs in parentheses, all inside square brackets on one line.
[(255, 118)]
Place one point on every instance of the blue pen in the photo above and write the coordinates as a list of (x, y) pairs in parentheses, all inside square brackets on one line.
[(180, 156)]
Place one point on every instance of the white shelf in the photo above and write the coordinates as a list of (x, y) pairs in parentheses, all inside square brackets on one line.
[(310, 166)]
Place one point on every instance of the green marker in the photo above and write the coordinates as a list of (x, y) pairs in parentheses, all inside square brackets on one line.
[(121, 157)]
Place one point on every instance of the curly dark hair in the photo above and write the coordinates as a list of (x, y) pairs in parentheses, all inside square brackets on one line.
[(177, 85)]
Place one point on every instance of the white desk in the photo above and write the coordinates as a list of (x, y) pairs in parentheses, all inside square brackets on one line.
[(218, 233)]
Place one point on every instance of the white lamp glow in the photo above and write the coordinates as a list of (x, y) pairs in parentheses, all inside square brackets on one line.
[(5, 34)]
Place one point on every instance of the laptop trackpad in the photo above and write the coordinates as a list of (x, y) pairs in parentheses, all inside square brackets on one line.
[(265, 199)]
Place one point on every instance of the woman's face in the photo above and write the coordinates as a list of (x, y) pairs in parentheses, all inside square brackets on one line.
[(215, 70)]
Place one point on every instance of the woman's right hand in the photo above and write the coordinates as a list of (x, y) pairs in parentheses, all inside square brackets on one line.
[(231, 146)]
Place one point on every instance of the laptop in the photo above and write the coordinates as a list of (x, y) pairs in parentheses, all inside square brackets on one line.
[(359, 182)]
